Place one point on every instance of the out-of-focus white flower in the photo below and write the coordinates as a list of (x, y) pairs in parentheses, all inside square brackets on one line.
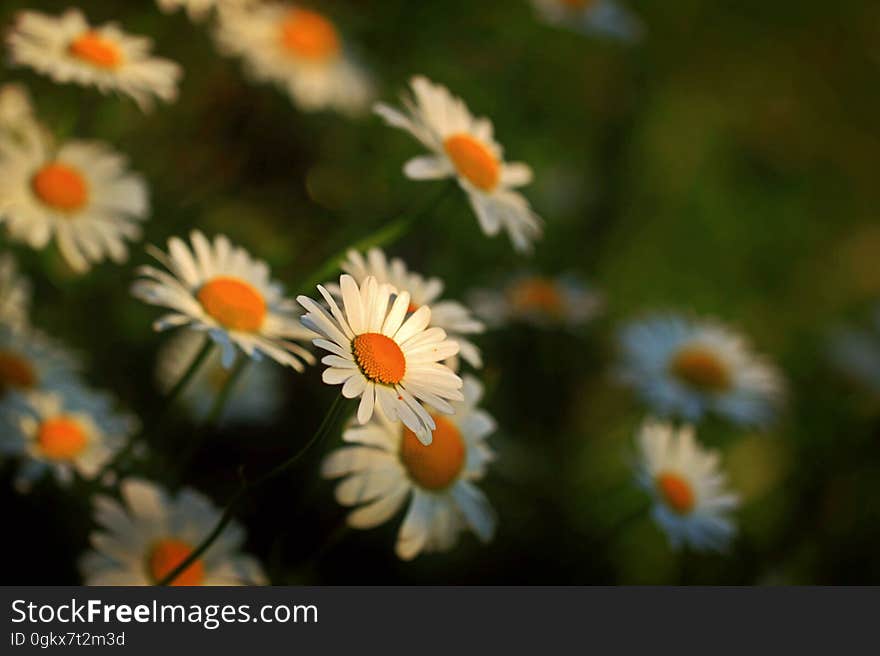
[(602, 17), (539, 300), (686, 369)]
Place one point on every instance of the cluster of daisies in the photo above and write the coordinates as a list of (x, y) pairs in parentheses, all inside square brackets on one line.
[(407, 357)]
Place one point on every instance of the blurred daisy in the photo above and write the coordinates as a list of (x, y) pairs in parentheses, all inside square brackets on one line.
[(81, 194), (221, 290), (149, 533), (298, 49), (691, 503), (856, 352), (463, 147), (383, 357), (198, 9), (539, 300), (31, 362), (68, 49), (15, 294), (258, 395), (605, 17), (451, 316), (78, 432), (687, 369), (16, 110), (390, 466)]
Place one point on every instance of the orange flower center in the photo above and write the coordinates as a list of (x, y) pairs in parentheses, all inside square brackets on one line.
[(437, 466), (676, 492), (15, 373), (166, 555), (700, 368), (234, 304), (379, 358), (412, 307), (94, 49), (538, 294), (61, 438), (473, 161), (309, 35), (61, 187)]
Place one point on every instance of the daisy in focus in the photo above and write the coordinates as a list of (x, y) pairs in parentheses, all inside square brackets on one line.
[(463, 147), (149, 533), (78, 432), (298, 49), (219, 289), (602, 17), (15, 295), (67, 49), (383, 356), (687, 369), (451, 316), (388, 467), (691, 503), (80, 194), (31, 362), (258, 395), (539, 300)]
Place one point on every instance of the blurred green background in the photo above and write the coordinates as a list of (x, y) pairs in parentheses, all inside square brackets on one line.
[(727, 165)]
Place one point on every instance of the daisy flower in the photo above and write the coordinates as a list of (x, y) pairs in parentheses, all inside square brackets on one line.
[(221, 290), (81, 194), (389, 466), (539, 300), (298, 49), (451, 316), (688, 368), (77, 432), (379, 354), (198, 9), (604, 17), (31, 362), (464, 148), (258, 396), (855, 352), (143, 537), (691, 503), (67, 49), (15, 294), (16, 110)]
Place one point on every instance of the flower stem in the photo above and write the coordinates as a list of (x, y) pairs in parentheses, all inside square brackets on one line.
[(330, 420), (389, 233), (216, 412), (159, 418)]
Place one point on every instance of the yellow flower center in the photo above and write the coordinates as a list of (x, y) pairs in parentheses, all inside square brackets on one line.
[(379, 358), (94, 49), (700, 368), (538, 294), (166, 555), (473, 161), (234, 304), (61, 438), (437, 466), (16, 373), (309, 35), (61, 187), (677, 492)]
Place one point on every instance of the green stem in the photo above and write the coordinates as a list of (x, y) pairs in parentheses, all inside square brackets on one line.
[(385, 235), (160, 416), (330, 420), (226, 392)]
